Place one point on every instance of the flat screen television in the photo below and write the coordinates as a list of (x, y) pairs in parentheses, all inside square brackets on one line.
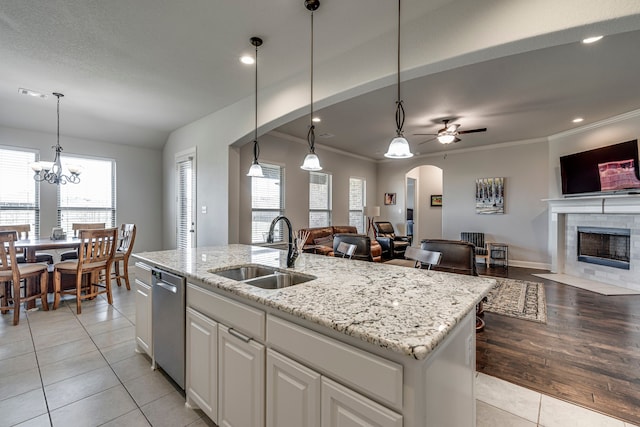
[(608, 169)]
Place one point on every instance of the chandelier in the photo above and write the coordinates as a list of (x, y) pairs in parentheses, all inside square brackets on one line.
[(51, 172)]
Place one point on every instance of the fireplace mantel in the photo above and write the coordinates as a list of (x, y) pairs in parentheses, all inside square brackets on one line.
[(596, 205)]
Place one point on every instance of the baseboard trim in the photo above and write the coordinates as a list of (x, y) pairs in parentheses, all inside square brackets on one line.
[(528, 264)]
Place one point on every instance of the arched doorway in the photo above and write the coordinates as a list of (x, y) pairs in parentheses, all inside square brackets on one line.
[(421, 183)]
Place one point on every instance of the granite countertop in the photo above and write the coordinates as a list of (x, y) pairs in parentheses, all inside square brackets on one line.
[(405, 310)]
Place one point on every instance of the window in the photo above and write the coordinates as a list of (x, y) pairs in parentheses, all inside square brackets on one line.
[(20, 197), (357, 201), (93, 199), (186, 200), (267, 202), (319, 199)]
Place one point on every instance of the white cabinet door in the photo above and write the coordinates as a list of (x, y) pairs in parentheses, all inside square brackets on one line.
[(143, 317), (202, 363), (293, 393), (342, 407), (240, 380)]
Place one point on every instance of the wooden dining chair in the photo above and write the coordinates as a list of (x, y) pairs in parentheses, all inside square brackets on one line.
[(126, 238), (13, 273), (23, 231), (95, 256), (76, 227)]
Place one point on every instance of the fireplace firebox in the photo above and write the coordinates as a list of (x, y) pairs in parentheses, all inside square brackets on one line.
[(605, 246)]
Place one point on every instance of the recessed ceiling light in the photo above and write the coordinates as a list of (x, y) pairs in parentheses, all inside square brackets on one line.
[(577, 120), (591, 39), (247, 60), (316, 119), (30, 92)]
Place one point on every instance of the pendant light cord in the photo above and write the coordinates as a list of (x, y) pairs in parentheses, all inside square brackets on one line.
[(256, 147), (311, 135), (58, 148), (399, 102)]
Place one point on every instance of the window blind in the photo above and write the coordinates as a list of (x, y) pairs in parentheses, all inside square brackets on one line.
[(185, 231), (357, 194), (93, 199), (267, 202), (319, 199), (20, 197)]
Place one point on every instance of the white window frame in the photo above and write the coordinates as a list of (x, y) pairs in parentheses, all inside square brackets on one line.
[(358, 210), (24, 174), (259, 229), (89, 211), (326, 203)]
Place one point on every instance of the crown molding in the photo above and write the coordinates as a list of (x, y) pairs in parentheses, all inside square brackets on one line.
[(611, 120), (292, 138)]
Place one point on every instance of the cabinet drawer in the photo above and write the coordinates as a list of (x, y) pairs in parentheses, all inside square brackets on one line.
[(143, 273), (225, 310), (373, 375)]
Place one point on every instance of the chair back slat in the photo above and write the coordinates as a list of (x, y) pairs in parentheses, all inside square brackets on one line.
[(126, 238), (97, 246), (423, 257), (8, 250), (22, 230), (346, 249)]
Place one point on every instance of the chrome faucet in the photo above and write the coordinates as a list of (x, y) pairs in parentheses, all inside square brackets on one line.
[(292, 254)]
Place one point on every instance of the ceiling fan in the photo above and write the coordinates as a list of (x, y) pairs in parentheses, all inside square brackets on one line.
[(449, 133)]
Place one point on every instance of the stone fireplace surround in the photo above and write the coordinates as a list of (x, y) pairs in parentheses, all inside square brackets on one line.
[(613, 211)]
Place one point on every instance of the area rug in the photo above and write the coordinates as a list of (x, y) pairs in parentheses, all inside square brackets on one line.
[(518, 298)]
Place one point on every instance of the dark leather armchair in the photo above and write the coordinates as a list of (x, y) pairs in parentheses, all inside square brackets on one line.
[(362, 242), (393, 246), (457, 256)]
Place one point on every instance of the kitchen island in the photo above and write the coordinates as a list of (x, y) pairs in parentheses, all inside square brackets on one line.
[(384, 345)]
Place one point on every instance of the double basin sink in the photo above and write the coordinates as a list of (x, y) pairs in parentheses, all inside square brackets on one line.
[(263, 276)]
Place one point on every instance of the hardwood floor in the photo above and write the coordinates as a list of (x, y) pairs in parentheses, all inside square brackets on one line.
[(588, 353)]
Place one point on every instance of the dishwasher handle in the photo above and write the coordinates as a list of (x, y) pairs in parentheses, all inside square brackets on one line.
[(167, 286)]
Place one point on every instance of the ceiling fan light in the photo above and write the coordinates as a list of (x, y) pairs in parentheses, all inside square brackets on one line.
[(256, 171), (311, 163), (399, 149), (446, 138)]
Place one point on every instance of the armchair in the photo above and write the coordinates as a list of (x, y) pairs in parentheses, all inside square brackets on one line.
[(480, 245), (393, 246)]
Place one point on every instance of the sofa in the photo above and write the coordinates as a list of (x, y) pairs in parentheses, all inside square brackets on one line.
[(457, 256), (321, 241)]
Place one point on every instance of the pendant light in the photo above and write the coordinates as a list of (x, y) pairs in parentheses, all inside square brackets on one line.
[(51, 172), (256, 169), (311, 161), (399, 146)]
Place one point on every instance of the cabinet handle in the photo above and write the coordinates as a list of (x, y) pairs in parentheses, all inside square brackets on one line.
[(238, 335)]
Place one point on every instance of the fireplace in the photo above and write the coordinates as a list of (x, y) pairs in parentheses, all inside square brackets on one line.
[(605, 246)]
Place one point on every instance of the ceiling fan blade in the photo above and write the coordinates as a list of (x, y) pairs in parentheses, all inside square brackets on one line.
[(460, 132), (428, 140), (456, 140)]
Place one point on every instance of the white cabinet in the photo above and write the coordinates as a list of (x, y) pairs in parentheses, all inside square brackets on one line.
[(293, 393), (142, 286), (240, 380), (301, 397), (202, 363), (342, 407)]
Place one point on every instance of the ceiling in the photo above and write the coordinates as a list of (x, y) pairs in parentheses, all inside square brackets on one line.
[(518, 97), (132, 72)]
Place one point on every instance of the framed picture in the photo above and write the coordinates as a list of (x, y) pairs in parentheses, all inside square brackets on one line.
[(489, 196), (436, 200), (389, 198)]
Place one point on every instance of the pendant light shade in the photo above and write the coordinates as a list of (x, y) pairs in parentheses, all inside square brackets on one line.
[(399, 146), (311, 161), (256, 169)]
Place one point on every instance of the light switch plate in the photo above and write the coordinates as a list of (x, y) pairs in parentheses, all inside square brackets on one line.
[(204, 209)]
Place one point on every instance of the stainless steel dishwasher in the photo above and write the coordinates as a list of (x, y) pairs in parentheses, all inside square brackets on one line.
[(169, 296)]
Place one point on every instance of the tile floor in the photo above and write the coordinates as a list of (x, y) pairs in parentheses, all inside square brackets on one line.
[(60, 369)]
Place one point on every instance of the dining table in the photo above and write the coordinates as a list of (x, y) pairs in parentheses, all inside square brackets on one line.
[(31, 246)]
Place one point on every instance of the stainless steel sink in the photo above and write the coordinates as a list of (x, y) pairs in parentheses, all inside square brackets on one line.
[(264, 277)]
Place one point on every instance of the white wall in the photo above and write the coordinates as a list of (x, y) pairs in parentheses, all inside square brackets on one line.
[(523, 165), (138, 181), (290, 154)]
